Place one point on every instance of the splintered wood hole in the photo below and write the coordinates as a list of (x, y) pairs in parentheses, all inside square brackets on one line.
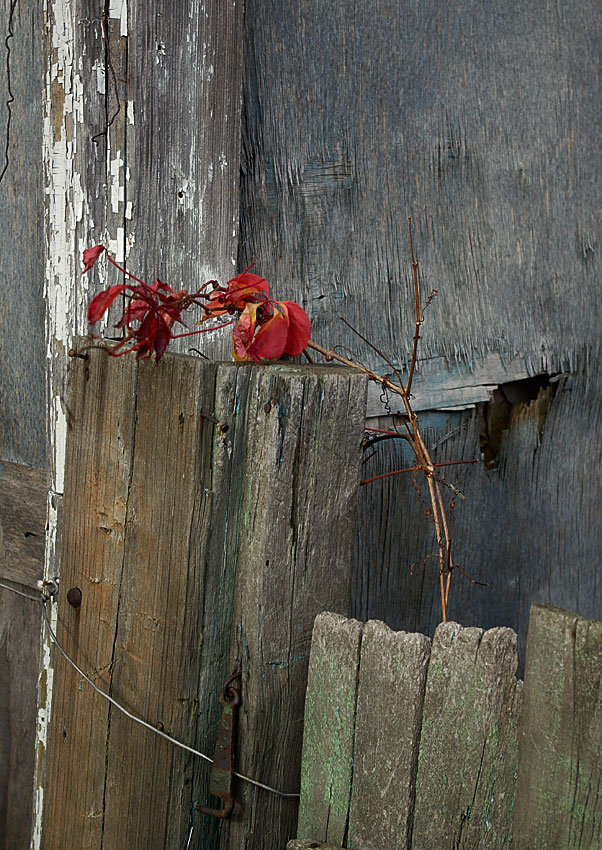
[(509, 400)]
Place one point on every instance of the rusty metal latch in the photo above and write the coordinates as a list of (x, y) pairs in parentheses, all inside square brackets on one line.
[(222, 772)]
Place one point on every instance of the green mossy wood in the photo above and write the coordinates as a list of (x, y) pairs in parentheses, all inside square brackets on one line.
[(387, 731), (560, 763), (327, 761), (465, 787), (198, 549), (432, 732)]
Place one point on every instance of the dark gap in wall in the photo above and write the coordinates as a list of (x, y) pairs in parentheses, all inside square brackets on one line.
[(496, 415)]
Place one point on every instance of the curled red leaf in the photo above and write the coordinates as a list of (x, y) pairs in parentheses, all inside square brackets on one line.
[(91, 255), (101, 302), (299, 328)]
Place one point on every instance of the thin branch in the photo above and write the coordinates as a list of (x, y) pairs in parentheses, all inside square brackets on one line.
[(418, 317)]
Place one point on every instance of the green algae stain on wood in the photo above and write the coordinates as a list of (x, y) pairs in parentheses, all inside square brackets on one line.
[(327, 760), (560, 768), (466, 778)]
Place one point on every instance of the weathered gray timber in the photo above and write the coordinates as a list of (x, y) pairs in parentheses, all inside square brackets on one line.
[(307, 844), (434, 753), (389, 717), (303, 431), (560, 762), (22, 306), (22, 531), (168, 523), (22, 523), (185, 82), (466, 780), (20, 623), (329, 722), (427, 109)]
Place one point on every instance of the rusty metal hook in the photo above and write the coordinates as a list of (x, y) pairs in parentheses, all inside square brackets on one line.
[(222, 772)]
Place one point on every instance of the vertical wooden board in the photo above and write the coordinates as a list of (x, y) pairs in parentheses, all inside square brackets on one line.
[(158, 633), (224, 495), (22, 307), (184, 82), (22, 523), (328, 729), (98, 471), (560, 759), (465, 787), (392, 681), (301, 475), (20, 623)]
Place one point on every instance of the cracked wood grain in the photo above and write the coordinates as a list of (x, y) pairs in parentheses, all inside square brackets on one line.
[(167, 522), (466, 780), (559, 772), (328, 729), (296, 535)]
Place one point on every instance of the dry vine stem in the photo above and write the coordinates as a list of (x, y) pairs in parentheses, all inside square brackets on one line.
[(414, 437)]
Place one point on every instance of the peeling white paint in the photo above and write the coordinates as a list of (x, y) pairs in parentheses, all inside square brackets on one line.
[(130, 112), (65, 206), (117, 188), (101, 81), (119, 9)]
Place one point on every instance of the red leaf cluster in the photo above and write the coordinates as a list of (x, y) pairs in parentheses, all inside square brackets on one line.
[(154, 309), (265, 329)]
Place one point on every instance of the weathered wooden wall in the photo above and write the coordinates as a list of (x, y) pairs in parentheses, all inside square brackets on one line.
[(198, 550), (22, 306), (482, 121), (23, 444), (408, 744)]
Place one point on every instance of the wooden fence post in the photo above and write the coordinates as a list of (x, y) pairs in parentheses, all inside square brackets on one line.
[(560, 755), (303, 434), (198, 547)]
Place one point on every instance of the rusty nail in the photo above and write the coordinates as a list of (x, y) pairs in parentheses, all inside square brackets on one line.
[(74, 353), (159, 726), (74, 597)]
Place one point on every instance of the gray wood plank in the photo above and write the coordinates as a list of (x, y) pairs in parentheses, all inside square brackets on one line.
[(184, 81), (439, 127), (392, 681), (328, 729), (92, 540), (516, 529), (304, 427), (308, 844), (466, 781), (22, 306), (558, 790), (20, 623), (22, 523)]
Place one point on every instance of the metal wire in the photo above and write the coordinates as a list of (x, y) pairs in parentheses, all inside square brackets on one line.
[(43, 598)]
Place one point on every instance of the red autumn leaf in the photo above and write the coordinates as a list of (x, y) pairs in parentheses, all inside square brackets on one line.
[(101, 302), (134, 312), (91, 255), (270, 339), (146, 335), (244, 289), (299, 328), (242, 335), (162, 337)]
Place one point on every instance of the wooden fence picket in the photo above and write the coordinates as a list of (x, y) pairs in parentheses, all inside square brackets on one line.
[(560, 756)]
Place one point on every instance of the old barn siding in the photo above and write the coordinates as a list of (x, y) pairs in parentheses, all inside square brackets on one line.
[(482, 121)]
